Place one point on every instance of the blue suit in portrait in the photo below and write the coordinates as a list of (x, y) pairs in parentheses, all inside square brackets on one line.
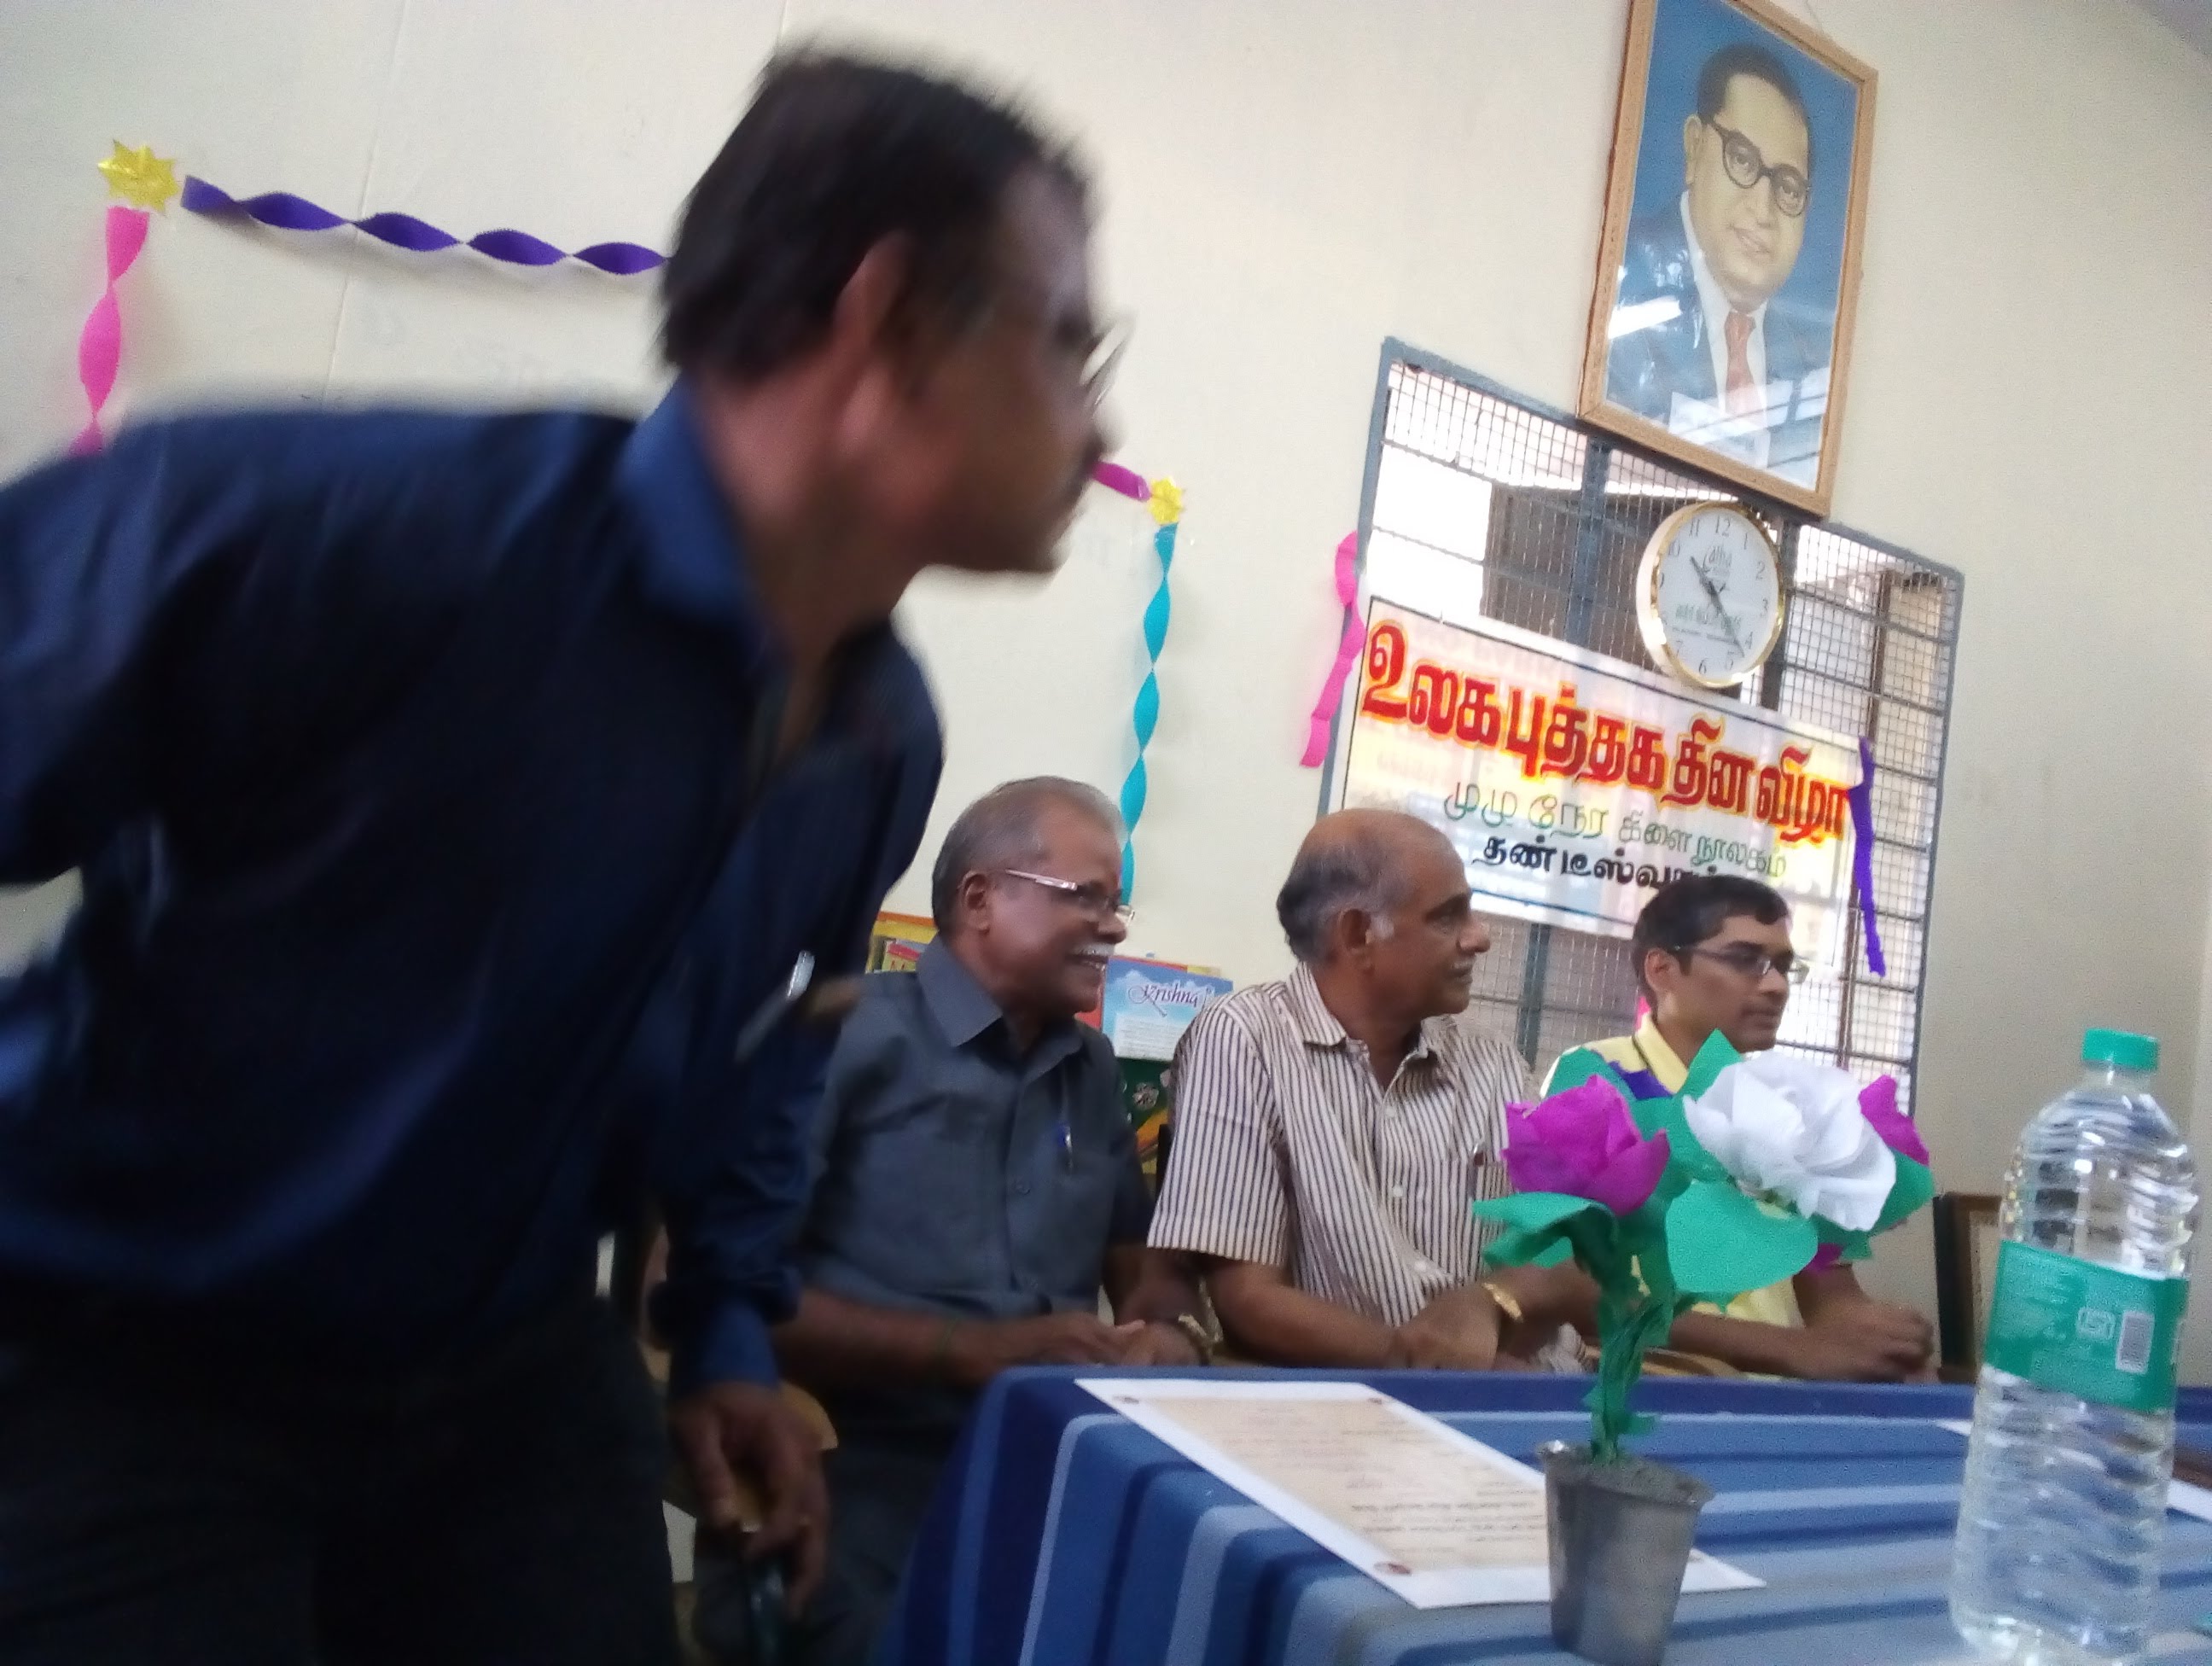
[(1668, 354)]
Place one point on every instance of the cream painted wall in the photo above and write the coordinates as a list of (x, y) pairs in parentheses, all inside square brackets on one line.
[(1284, 184)]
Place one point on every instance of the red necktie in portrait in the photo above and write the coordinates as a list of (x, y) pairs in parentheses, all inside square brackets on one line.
[(1743, 395)]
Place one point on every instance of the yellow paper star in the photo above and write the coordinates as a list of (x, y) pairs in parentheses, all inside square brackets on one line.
[(1167, 501), (139, 177)]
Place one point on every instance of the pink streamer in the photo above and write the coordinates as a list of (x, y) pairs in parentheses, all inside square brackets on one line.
[(100, 345), (1127, 482), (1347, 651)]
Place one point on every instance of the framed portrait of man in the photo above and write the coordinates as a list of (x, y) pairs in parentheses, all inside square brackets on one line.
[(1721, 331)]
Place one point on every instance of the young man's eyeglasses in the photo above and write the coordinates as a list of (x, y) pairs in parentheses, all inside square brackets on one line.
[(1749, 960), (1094, 350), (1102, 358), (1746, 167), (1096, 901), (1096, 353)]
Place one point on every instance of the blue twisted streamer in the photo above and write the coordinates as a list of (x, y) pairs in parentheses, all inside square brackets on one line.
[(1146, 716), (285, 212)]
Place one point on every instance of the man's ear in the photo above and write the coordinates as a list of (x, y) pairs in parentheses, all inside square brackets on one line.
[(875, 345), (1354, 935), (1693, 133), (1659, 970), (972, 902), (873, 303)]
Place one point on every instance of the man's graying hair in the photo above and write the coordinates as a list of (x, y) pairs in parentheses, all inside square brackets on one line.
[(1351, 872), (1000, 831)]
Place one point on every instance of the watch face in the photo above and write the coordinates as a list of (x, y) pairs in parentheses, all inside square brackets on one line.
[(1712, 597)]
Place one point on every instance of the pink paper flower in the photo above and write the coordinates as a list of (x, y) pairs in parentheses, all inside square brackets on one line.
[(1825, 1257), (1583, 1143), (1879, 1102)]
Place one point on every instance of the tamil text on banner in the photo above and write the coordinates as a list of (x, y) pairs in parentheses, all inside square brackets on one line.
[(1575, 785)]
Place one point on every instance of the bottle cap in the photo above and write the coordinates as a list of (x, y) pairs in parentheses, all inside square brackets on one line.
[(2121, 1049)]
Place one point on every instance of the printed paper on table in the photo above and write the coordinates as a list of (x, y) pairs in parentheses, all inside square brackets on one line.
[(1439, 1518)]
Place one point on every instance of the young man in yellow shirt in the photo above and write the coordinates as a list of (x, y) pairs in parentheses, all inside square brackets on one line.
[(1712, 951)]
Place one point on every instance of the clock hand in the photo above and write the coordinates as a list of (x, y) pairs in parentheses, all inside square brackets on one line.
[(1713, 591)]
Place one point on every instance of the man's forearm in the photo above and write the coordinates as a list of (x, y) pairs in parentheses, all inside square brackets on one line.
[(1817, 1292), (1278, 1325), (1761, 1349), (1154, 1285), (834, 1343), (1550, 1297)]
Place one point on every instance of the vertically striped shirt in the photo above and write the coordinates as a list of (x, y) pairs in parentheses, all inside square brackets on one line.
[(1289, 1154)]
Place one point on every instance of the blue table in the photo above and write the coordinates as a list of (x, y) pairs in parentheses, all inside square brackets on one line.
[(1064, 1535)]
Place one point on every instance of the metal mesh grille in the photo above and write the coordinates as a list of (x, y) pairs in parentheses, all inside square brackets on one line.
[(1483, 506)]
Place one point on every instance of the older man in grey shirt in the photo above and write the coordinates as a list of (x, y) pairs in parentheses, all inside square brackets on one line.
[(979, 1187)]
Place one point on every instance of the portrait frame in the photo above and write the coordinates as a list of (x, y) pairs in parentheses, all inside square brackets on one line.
[(1641, 354)]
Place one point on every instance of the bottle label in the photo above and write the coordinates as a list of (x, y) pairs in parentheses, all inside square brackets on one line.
[(2078, 1327)]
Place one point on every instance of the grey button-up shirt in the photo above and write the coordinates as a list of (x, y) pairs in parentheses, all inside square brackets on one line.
[(958, 1177)]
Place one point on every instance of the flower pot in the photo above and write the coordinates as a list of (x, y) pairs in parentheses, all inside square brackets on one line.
[(1620, 1537)]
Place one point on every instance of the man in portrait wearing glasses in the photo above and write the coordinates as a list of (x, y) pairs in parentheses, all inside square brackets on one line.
[(1712, 952), (978, 1188), (1704, 340)]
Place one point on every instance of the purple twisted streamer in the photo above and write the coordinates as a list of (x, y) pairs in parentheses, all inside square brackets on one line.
[(285, 212), (1861, 800)]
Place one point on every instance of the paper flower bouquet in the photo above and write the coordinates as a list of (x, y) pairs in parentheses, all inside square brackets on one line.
[(1760, 1168)]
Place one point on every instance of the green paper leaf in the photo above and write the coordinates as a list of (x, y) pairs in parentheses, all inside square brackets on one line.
[(1588, 1233), (1578, 1067), (1914, 1186), (1715, 1057), (1596, 1240), (1518, 1249), (1720, 1243), (1531, 1212), (1687, 1161)]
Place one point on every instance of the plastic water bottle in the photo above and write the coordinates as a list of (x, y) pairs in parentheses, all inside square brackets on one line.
[(2065, 1504)]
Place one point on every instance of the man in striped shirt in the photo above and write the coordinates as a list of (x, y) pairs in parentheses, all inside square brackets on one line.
[(1331, 1128), (1712, 951)]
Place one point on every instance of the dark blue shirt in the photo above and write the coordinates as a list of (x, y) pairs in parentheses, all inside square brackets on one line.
[(404, 756), (961, 1177)]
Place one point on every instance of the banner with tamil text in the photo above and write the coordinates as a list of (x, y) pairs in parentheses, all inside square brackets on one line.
[(1574, 785)]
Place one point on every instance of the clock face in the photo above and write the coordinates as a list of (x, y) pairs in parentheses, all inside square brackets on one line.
[(1709, 595)]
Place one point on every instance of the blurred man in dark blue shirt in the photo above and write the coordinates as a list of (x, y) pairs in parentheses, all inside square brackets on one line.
[(466, 804)]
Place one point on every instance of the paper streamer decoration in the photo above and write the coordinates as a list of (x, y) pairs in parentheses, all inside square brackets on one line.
[(1861, 800), (1165, 499), (99, 343), (285, 212), (1347, 652), (1127, 482)]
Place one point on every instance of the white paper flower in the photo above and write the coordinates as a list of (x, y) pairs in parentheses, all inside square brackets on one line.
[(1788, 1127)]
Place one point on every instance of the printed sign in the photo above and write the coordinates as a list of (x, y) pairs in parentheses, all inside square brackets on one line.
[(1574, 785)]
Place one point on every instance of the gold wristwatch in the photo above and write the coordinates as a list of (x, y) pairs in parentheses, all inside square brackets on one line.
[(1196, 1332)]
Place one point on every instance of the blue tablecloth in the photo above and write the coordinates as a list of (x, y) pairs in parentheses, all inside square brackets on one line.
[(1064, 1535)]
